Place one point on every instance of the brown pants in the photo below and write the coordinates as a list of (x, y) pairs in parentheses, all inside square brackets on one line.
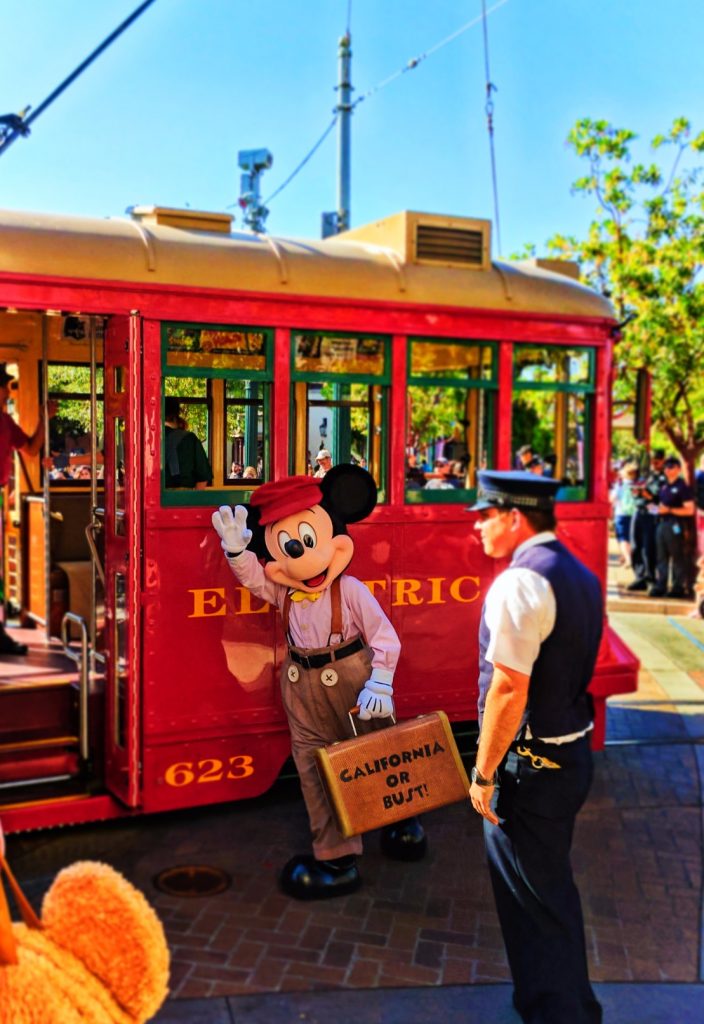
[(318, 715)]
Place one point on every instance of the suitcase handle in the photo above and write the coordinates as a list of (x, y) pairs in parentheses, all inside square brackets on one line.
[(355, 711)]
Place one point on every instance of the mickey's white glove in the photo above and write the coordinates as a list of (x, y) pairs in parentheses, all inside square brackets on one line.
[(376, 700), (231, 528)]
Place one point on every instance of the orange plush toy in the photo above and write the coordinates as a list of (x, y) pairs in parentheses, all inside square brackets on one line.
[(98, 955)]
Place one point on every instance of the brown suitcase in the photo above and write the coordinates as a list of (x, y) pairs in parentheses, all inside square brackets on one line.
[(393, 773)]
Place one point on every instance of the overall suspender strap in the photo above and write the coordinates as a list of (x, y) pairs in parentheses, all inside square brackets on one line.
[(285, 612), (336, 604)]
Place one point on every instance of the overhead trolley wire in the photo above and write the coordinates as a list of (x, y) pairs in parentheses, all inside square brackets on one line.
[(305, 160), (19, 124), (410, 65), (489, 108), (414, 62)]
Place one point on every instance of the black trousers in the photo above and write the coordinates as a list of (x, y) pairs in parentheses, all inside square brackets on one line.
[(536, 899), (643, 552), (672, 550)]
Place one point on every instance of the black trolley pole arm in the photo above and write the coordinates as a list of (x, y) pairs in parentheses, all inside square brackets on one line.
[(16, 124)]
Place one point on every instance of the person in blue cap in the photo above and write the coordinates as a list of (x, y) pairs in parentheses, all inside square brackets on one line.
[(538, 641)]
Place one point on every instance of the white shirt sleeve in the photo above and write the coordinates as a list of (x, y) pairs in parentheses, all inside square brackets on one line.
[(368, 617), (520, 614), (248, 570)]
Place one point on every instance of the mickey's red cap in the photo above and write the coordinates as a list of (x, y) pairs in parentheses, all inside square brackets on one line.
[(282, 498)]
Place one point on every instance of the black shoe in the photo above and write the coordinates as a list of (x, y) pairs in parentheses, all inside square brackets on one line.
[(638, 585), (10, 646), (656, 592), (306, 878), (405, 840), (676, 594)]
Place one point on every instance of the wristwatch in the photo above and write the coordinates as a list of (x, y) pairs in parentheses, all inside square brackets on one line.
[(480, 780)]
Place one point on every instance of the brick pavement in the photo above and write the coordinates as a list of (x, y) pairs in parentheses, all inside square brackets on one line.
[(637, 860)]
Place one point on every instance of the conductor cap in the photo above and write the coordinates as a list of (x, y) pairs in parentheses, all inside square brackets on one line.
[(514, 490)]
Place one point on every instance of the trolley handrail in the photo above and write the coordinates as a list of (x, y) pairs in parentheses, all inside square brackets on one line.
[(100, 512), (92, 528), (82, 661)]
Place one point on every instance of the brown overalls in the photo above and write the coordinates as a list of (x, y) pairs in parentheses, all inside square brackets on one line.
[(317, 698)]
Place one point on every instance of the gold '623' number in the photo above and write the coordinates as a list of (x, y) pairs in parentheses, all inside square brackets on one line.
[(183, 773)]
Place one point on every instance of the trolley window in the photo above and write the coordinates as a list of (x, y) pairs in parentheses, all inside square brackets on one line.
[(340, 385), (215, 404), (552, 409), (449, 429), (70, 438)]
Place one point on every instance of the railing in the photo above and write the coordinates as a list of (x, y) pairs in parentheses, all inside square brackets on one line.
[(82, 662), (91, 531)]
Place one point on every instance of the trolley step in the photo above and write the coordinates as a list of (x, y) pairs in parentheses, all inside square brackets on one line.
[(35, 683), (43, 743)]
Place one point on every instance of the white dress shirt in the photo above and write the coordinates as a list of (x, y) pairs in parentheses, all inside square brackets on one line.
[(520, 612)]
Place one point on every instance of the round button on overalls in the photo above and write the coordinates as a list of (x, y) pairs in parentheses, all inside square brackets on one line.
[(293, 673), (328, 677)]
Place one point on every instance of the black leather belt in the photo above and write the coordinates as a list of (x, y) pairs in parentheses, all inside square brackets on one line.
[(320, 660)]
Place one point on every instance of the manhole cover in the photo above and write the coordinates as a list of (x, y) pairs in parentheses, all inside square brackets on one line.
[(192, 880)]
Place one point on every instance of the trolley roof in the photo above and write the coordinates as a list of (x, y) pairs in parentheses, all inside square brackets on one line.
[(410, 257)]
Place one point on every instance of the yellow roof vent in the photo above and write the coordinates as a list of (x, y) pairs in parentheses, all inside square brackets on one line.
[(568, 268), (187, 220), (430, 239)]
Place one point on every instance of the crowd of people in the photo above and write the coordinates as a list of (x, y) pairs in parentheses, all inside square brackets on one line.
[(655, 525), (442, 475), (323, 463), (531, 462), (240, 472)]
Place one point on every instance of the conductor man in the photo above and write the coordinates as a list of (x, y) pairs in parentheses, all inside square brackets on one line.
[(538, 641)]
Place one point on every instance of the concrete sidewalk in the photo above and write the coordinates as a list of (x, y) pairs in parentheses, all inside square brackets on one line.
[(483, 1004)]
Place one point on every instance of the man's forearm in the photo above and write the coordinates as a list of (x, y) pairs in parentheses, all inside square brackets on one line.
[(505, 704), (36, 441)]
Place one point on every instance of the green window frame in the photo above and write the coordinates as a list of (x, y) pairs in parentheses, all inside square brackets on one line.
[(344, 362), (571, 380), (218, 354), (430, 367), (68, 383)]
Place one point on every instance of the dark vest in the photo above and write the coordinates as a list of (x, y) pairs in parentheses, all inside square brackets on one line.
[(558, 702)]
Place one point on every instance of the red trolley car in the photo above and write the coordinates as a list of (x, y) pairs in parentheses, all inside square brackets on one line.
[(152, 677)]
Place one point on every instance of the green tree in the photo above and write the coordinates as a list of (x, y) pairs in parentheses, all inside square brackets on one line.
[(645, 251)]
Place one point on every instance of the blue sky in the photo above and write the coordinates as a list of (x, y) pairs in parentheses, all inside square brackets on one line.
[(160, 116)]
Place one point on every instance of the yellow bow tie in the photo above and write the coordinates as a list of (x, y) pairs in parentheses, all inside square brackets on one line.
[(302, 595)]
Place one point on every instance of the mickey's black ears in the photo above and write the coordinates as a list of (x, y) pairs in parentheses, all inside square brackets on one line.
[(257, 544), (349, 491)]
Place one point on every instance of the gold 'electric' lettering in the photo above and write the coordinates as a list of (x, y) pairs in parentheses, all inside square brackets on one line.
[(371, 585), (201, 603), (209, 602), (409, 589), (246, 598), (456, 594)]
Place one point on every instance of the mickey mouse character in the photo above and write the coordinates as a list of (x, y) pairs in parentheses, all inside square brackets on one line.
[(342, 649)]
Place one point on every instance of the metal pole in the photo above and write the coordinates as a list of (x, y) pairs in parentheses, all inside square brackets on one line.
[(344, 109)]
